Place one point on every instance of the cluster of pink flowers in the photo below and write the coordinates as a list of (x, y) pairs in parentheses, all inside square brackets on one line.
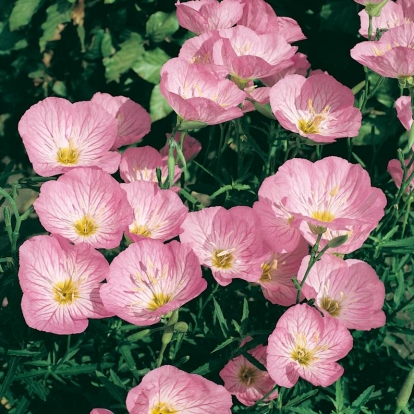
[(305, 203)]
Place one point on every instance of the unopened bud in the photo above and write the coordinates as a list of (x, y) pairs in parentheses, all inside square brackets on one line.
[(374, 10), (316, 229), (189, 125), (181, 327), (337, 241)]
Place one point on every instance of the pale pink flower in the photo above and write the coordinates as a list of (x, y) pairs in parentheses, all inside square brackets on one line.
[(247, 382), (275, 222), (319, 108), (226, 241), (249, 55), (191, 147), (404, 111), (60, 284), (150, 279), (348, 290), (299, 65), (101, 411), (134, 122), (158, 214), (290, 29), (306, 345), (396, 172), (60, 136), (195, 94), (332, 194), (170, 390), (203, 15), (85, 205), (392, 56), (259, 95), (259, 16), (140, 164), (408, 8), (278, 269)]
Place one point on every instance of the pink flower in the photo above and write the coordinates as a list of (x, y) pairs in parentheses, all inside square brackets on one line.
[(204, 15), (396, 172), (140, 164), (85, 205), (319, 108), (330, 194), (408, 8), (158, 214), (170, 390), (150, 279), (60, 136), (299, 65), (60, 284), (249, 55), (248, 383), (191, 147), (290, 29), (134, 122), (277, 272), (197, 95), (306, 345), (348, 290), (227, 241), (404, 111), (259, 16), (101, 411), (392, 56)]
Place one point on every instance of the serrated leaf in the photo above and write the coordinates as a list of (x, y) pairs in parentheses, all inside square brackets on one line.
[(160, 25), (148, 65), (360, 401), (57, 14), (124, 59), (159, 107), (22, 13), (117, 392)]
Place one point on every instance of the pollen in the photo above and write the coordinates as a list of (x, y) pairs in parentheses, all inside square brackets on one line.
[(324, 215), (267, 269), (86, 226), (65, 292), (158, 300), (332, 306), (302, 355), (334, 191), (247, 375), (312, 125), (141, 230), (163, 408), (222, 259), (68, 155)]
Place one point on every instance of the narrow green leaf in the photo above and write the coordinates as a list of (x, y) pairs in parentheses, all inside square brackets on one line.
[(129, 359), (160, 25), (218, 313), (300, 410), (245, 318), (22, 13), (224, 344), (300, 398), (159, 107), (11, 373), (360, 401), (38, 388), (148, 65), (139, 335), (211, 366), (116, 380), (254, 361), (117, 392)]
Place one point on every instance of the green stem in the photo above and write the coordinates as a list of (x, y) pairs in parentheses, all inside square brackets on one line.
[(167, 336), (407, 214)]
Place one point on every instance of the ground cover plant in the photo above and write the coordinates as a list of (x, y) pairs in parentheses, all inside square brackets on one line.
[(206, 206)]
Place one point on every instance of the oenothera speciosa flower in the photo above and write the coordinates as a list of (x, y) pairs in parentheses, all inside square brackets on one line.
[(170, 390), (204, 15), (396, 172), (158, 214), (404, 111), (150, 279), (348, 290), (226, 241), (198, 95), (392, 56), (319, 108), (85, 205), (134, 122), (305, 344), (247, 382), (59, 136), (331, 196), (278, 269), (60, 284)]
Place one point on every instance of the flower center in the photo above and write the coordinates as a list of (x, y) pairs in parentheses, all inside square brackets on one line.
[(267, 269), (65, 292), (68, 155), (302, 355), (86, 226), (158, 300), (222, 259), (313, 123), (324, 215), (163, 408), (247, 375), (141, 230), (332, 306)]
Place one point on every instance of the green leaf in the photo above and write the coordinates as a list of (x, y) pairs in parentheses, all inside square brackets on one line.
[(124, 59), (360, 401), (218, 313), (300, 398), (160, 25), (10, 41), (57, 14), (159, 107), (22, 13), (107, 49), (301, 410), (224, 344), (375, 130), (148, 65), (245, 318), (211, 366), (11, 372), (117, 392)]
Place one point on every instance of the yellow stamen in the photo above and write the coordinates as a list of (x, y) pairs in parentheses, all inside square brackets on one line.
[(323, 215), (65, 292), (86, 226), (141, 230), (68, 155), (332, 306), (158, 300), (302, 355), (222, 259), (312, 125), (267, 269), (163, 408)]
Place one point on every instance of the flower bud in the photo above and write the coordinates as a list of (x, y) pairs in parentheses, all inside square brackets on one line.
[(338, 241), (316, 229), (181, 327)]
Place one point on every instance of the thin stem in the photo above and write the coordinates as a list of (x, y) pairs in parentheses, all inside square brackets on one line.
[(167, 336)]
